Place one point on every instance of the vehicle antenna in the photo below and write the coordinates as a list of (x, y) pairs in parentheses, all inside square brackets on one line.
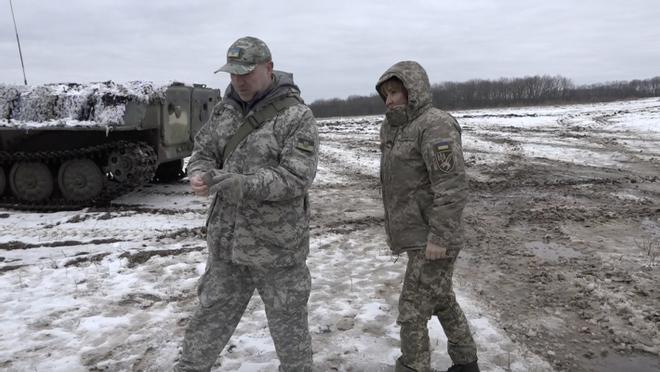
[(20, 53)]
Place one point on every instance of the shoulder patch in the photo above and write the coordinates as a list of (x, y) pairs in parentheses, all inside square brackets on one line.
[(443, 155), (305, 144), (218, 109)]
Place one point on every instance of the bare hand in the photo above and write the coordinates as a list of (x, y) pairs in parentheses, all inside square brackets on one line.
[(435, 252), (199, 187)]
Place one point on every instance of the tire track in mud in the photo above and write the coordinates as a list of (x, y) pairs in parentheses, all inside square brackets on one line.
[(545, 173), (347, 226), (576, 126), (69, 232), (139, 258), (7, 268), (18, 245), (537, 233), (138, 209), (569, 301), (590, 301), (352, 203), (602, 145), (568, 294), (610, 140), (515, 183)]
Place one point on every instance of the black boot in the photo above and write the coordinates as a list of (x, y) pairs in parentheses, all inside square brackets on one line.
[(469, 367), (400, 367)]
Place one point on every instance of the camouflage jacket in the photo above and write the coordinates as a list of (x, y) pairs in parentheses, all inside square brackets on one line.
[(270, 225), (422, 170)]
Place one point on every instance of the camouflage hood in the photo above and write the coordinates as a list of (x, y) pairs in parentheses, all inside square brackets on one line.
[(414, 78), (282, 85), (422, 170)]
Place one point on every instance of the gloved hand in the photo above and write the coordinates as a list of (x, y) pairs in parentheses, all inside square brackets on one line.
[(229, 185), (435, 252)]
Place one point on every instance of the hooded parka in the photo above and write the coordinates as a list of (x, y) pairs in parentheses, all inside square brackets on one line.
[(269, 225), (422, 169)]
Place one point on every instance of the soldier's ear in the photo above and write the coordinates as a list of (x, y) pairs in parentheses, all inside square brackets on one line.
[(269, 66)]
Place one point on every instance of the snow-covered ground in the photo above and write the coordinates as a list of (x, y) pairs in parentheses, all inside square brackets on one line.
[(112, 289)]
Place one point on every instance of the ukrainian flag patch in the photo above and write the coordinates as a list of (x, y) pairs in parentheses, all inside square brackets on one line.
[(305, 144), (234, 53), (442, 146)]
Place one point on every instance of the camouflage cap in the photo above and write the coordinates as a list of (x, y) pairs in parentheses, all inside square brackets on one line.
[(244, 54)]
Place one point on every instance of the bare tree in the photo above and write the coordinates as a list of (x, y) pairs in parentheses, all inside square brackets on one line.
[(477, 93)]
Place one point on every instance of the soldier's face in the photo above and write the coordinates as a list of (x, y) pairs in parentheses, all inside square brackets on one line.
[(249, 85), (395, 94)]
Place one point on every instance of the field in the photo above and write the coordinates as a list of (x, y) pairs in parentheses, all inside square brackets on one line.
[(560, 272)]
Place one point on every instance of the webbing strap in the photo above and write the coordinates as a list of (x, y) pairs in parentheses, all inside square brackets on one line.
[(254, 121)]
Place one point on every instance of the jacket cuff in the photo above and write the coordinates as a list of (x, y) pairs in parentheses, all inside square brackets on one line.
[(435, 239), (207, 176), (249, 186)]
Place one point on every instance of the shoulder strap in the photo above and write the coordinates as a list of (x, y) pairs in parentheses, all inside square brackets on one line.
[(255, 120)]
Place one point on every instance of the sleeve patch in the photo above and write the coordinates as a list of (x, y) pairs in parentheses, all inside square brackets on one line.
[(305, 144), (443, 156)]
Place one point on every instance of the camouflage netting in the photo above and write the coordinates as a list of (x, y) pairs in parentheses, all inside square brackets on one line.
[(93, 104)]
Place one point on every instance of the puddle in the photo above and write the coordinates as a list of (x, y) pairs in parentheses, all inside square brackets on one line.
[(551, 251)]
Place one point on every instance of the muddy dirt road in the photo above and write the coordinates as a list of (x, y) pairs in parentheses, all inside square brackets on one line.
[(560, 272), (563, 228), (567, 252)]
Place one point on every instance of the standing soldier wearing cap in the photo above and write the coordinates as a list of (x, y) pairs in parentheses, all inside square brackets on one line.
[(424, 192), (256, 157)]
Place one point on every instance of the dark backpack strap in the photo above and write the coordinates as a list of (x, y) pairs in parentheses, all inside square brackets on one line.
[(255, 120)]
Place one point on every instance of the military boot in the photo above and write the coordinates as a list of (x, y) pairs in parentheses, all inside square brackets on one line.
[(469, 367), (400, 367)]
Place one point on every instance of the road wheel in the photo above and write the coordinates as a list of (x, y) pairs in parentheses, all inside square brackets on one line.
[(121, 165), (31, 181), (3, 180), (132, 164), (80, 179)]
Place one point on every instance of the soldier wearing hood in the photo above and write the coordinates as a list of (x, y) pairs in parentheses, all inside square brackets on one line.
[(257, 157), (424, 192)]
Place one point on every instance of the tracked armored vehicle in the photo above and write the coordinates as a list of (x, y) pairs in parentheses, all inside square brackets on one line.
[(67, 146)]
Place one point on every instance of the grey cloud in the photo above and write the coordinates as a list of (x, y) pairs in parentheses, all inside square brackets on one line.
[(336, 48)]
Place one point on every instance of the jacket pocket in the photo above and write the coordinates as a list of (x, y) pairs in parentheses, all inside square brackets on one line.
[(272, 224), (406, 148), (424, 202)]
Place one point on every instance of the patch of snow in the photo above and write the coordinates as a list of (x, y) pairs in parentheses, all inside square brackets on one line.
[(74, 105)]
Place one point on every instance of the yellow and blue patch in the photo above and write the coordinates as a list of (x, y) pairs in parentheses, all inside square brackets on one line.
[(234, 52), (305, 144)]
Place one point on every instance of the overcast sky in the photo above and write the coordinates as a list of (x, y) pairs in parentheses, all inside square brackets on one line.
[(334, 48)]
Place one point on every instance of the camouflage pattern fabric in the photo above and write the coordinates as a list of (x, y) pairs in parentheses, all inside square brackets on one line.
[(424, 193), (269, 225), (244, 55), (257, 228), (422, 170), (224, 292), (427, 290)]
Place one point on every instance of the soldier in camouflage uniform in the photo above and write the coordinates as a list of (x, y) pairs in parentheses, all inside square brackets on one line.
[(258, 224), (424, 192)]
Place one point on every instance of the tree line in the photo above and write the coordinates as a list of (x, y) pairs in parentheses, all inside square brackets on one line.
[(478, 93)]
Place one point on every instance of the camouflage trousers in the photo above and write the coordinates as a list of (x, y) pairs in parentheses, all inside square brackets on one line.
[(224, 292), (427, 290)]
